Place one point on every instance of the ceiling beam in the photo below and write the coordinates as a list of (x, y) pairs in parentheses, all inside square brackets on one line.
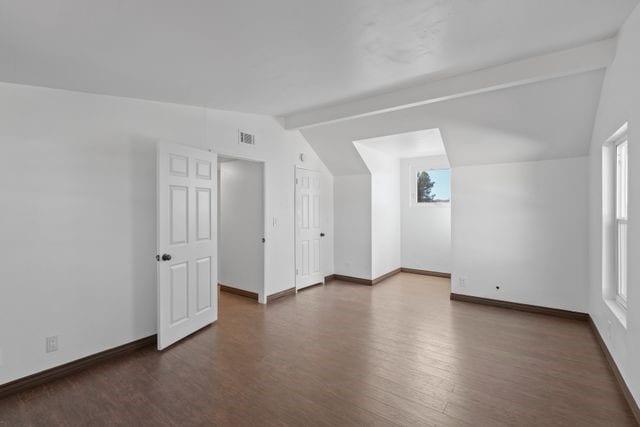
[(581, 59)]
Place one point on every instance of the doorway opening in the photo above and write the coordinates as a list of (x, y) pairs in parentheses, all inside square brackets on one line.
[(241, 226)]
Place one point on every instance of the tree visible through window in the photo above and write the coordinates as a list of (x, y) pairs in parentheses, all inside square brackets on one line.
[(433, 186)]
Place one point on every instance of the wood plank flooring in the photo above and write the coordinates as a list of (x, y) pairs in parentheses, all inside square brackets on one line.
[(398, 353)]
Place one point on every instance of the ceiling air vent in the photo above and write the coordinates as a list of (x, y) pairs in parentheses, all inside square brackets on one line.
[(247, 138)]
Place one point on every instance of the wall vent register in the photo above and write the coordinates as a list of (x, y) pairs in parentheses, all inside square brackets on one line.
[(246, 138)]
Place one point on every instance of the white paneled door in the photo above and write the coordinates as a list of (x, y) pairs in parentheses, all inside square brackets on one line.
[(187, 241), (308, 232)]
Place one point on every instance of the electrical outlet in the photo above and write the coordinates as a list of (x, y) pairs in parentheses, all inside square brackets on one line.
[(52, 344), (462, 282)]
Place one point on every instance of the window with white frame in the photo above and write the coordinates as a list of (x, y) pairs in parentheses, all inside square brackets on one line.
[(621, 216), (431, 186)]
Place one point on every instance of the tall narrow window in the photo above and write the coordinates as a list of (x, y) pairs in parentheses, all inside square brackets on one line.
[(621, 194)]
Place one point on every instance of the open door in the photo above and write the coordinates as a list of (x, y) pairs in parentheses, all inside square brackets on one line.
[(307, 232), (187, 241)]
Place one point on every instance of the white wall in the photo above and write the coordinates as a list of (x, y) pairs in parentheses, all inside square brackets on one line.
[(352, 216), (241, 225), (77, 214), (619, 103), (522, 226), (426, 230), (385, 209)]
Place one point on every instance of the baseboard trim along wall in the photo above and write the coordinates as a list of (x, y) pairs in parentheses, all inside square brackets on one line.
[(426, 272), (371, 282), (367, 282), (61, 371), (633, 405), (311, 286), (241, 292), (521, 307), (281, 294), (385, 276), (352, 279), (616, 372)]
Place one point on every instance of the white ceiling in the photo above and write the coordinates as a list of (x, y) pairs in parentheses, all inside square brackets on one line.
[(280, 56), (421, 143), (545, 120)]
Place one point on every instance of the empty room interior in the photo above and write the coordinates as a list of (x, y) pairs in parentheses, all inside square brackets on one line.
[(341, 212)]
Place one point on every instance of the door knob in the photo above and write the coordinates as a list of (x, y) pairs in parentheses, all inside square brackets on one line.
[(321, 234), (166, 257)]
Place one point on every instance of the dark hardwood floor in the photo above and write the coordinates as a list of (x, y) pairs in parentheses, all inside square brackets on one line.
[(398, 353)]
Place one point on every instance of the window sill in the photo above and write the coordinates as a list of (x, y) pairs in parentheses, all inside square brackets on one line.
[(618, 311), (431, 205)]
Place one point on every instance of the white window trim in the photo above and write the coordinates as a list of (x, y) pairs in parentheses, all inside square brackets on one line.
[(616, 303), (618, 312), (413, 170), (621, 220)]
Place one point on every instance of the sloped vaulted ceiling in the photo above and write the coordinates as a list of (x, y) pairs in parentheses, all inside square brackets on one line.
[(544, 120)]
